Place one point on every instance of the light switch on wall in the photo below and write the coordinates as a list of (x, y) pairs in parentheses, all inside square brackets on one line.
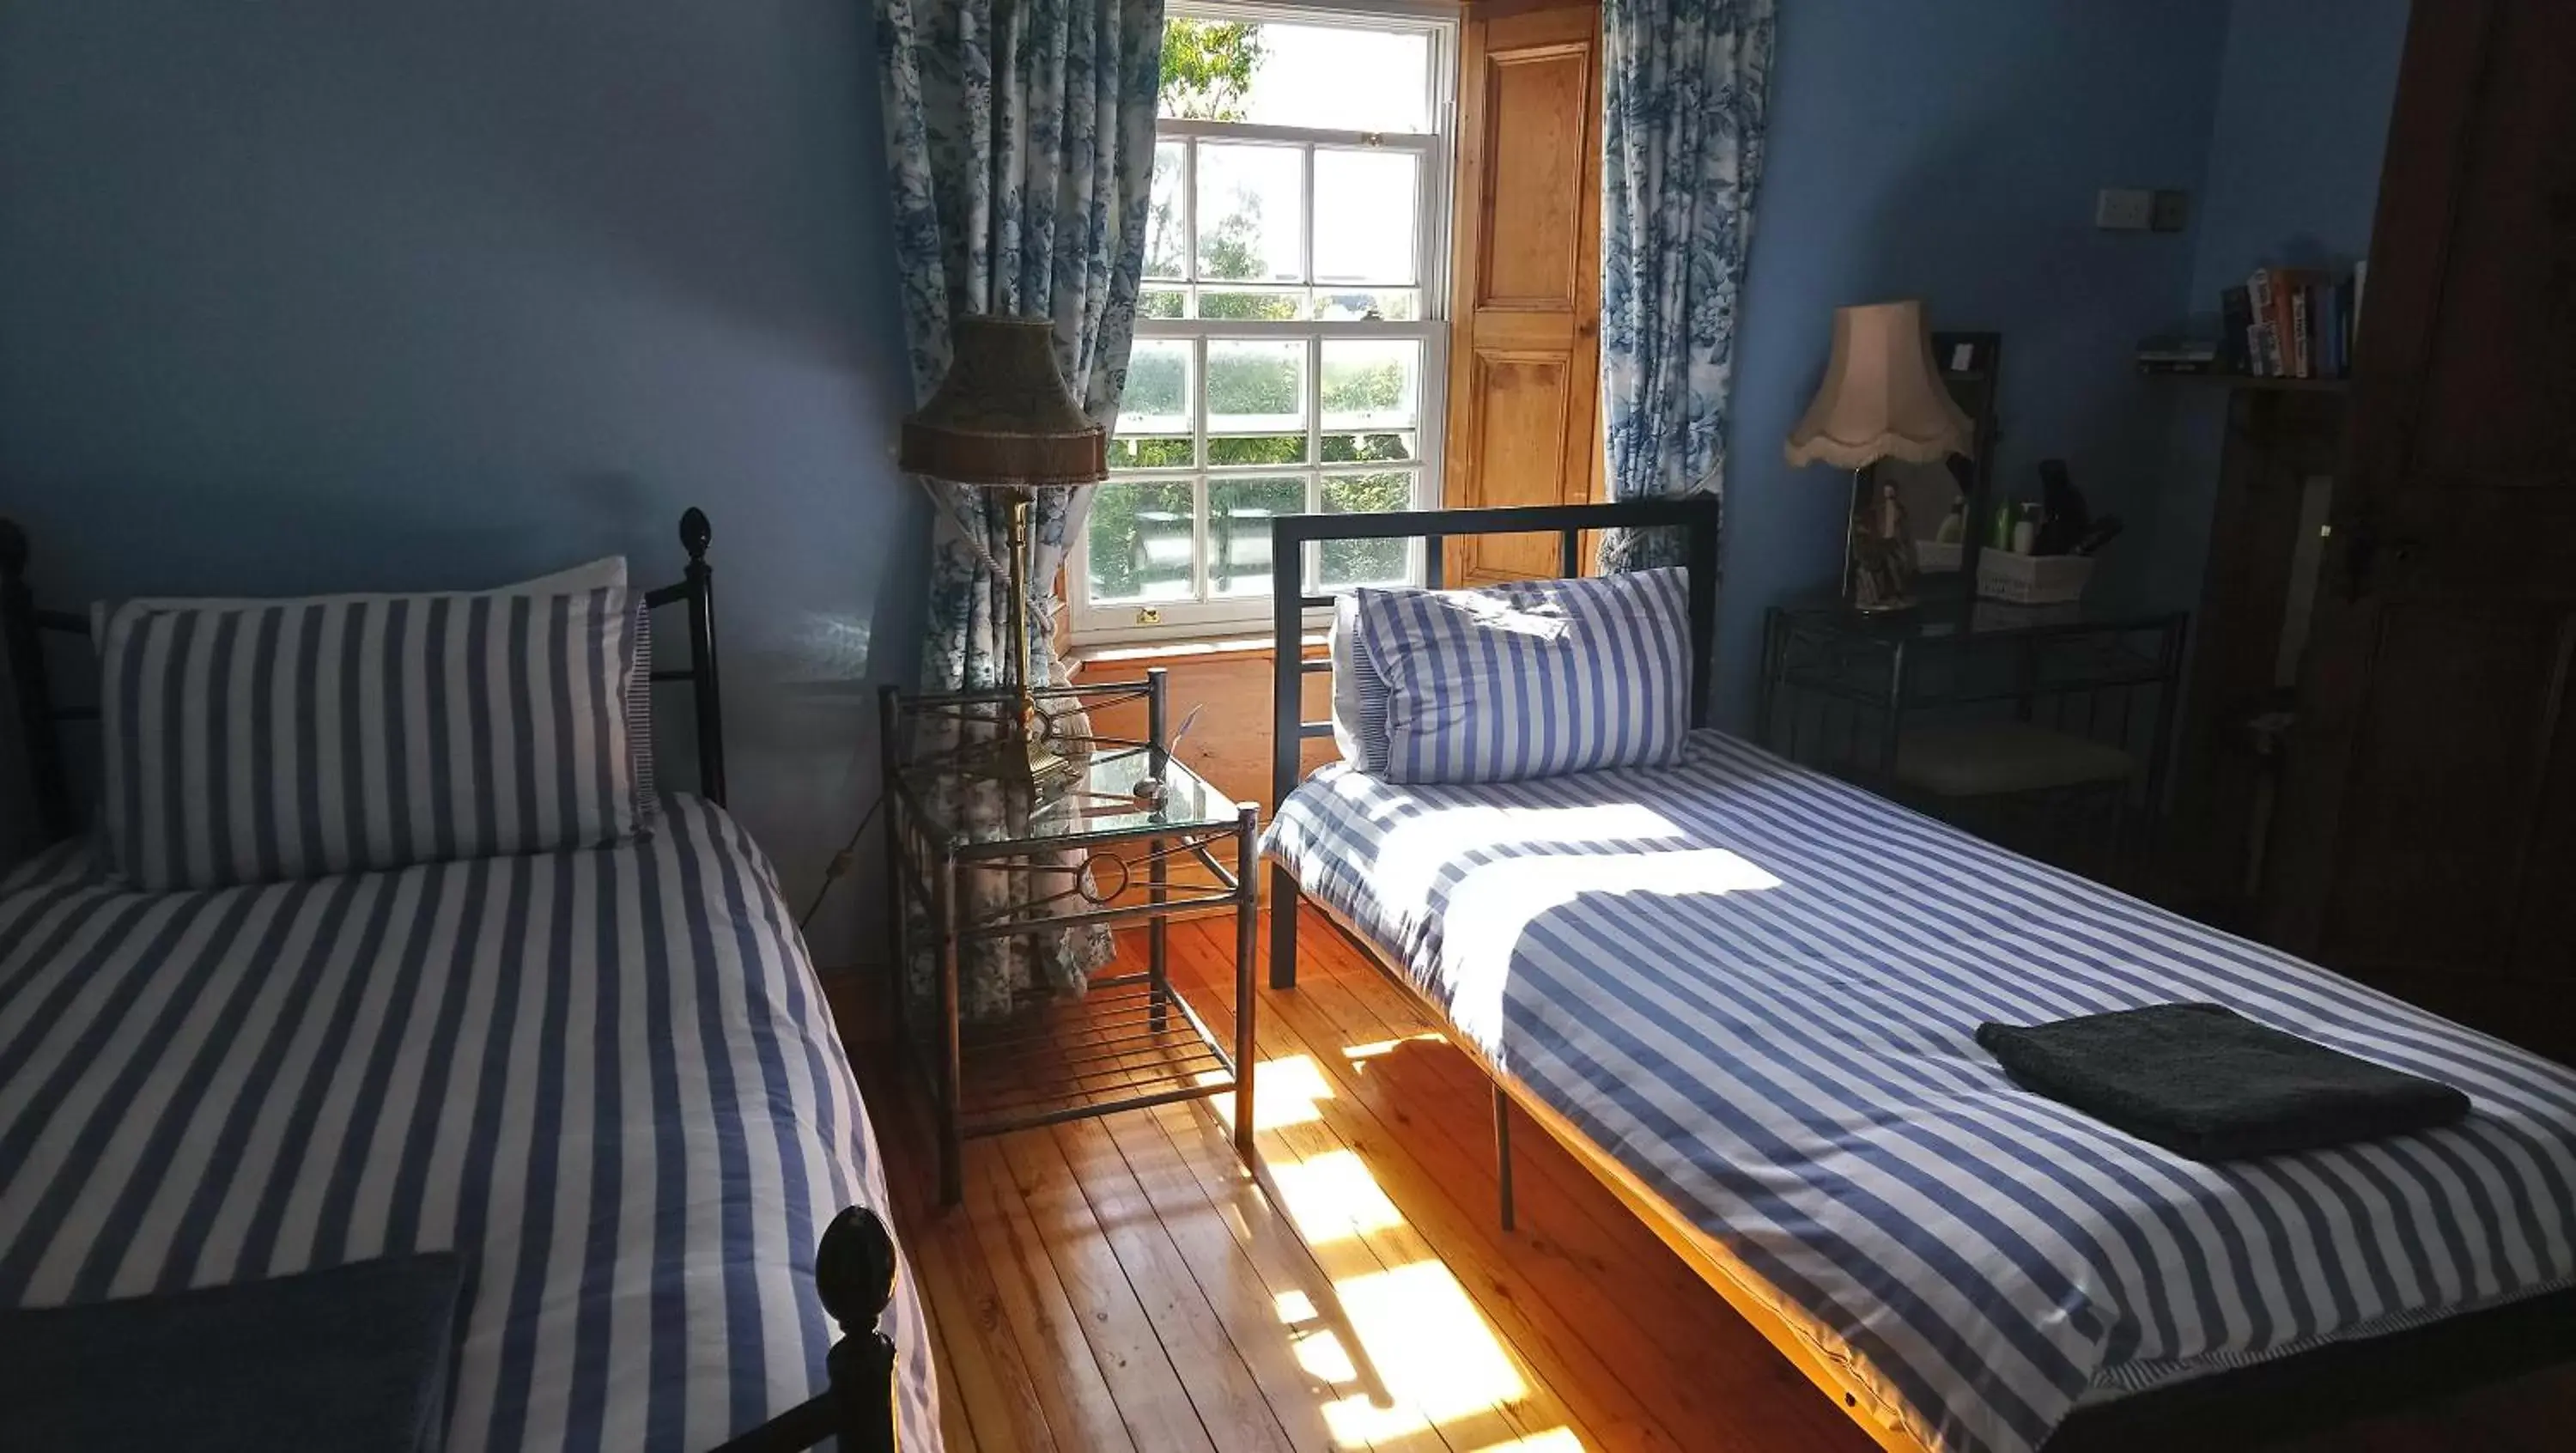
[(2123, 209)]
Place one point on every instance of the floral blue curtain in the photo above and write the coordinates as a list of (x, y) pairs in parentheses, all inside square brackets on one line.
[(1020, 137), (1684, 84)]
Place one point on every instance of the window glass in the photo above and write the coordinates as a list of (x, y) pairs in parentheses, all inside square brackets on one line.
[(1273, 74), (1288, 335), (1138, 538)]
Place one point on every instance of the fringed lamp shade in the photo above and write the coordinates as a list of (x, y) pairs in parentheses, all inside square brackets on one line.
[(1882, 397), (1002, 417)]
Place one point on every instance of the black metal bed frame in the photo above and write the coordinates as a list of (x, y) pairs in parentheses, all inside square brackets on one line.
[(2299, 1393), (1695, 515), (855, 1262)]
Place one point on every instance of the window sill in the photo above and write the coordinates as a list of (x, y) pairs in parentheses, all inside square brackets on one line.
[(1219, 645)]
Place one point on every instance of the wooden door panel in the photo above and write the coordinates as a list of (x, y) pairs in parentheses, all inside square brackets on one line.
[(1524, 358), (1538, 125), (2433, 846), (2428, 829), (2501, 368), (2544, 923)]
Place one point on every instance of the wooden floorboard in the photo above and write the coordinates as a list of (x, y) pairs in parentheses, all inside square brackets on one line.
[(1121, 1284)]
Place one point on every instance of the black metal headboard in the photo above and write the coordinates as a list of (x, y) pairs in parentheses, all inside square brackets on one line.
[(697, 589), (23, 626), (1696, 515)]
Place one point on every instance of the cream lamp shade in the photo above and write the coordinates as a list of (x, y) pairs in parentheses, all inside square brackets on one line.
[(1882, 396)]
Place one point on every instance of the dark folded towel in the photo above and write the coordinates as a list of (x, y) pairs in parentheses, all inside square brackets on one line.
[(353, 1359), (2204, 1081)]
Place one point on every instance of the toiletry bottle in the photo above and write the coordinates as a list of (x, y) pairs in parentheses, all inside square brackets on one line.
[(2025, 533)]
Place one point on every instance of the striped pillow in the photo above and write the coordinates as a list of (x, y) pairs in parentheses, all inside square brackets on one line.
[(1532, 678), (254, 742), (1359, 693)]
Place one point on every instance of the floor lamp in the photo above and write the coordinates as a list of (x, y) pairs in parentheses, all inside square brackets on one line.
[(1003, 420)]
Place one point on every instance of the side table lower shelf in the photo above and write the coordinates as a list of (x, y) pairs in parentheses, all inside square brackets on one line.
[(1123, 1046)]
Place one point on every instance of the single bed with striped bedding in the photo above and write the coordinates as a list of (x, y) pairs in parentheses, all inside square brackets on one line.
[(605, 1076), (1758, 988)]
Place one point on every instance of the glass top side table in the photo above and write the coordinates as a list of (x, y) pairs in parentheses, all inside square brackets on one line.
[(970, 859)]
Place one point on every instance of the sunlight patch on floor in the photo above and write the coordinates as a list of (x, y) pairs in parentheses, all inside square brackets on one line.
[(1380, 1048), (1430, 1344), (1332, 1195), (1423, 1333), (1554, 1440), (1284, 1092)]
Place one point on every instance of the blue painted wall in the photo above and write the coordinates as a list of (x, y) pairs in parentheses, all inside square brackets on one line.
[(2295, 143), (2294, 152), (329, 293), (1951, 153), (317, 294)]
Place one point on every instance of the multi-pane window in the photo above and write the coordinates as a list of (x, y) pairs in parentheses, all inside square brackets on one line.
[(1289, 347)]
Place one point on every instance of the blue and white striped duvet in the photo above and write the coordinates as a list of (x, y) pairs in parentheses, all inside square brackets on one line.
[(607, 1077), (1758, 988)]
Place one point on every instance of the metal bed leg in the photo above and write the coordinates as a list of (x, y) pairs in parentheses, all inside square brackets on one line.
[(1283, 928), (1158, 939), (952, 1094), (1247, 1001), (897, 873), (1503, 1156), (1158, 871)]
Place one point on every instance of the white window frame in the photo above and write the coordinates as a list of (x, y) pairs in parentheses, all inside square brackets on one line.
[(1131, 621)]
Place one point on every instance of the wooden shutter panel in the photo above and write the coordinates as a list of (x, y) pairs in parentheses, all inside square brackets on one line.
[(1525, 293)]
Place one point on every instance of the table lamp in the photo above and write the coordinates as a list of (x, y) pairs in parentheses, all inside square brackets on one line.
[(1003, 420), (1882, 398)]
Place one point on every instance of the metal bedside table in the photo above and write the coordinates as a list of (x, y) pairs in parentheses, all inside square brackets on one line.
[(1881, 700), (1086, 852)]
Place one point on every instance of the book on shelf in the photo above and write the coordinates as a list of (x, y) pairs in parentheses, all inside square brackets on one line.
[(2294, 322), (2347, 316), (2235, 320), (2265, 342), (2303, 335)]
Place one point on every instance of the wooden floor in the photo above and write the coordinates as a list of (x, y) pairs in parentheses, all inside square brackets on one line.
[(1119, 1284)]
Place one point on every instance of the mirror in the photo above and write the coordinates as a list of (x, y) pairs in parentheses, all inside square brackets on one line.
[(1955, 490)]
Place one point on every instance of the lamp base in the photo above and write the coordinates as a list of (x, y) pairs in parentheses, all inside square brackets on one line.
[(1034, 762), (1022, 755), (1878, 559), (1018, 757)]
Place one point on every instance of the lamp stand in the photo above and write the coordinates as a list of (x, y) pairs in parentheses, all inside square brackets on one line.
[(1022, 755)]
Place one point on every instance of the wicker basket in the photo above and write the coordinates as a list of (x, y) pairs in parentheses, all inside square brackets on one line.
[(2032, 579)]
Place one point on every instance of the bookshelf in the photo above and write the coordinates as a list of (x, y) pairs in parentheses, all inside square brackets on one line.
[(2259, 384)]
